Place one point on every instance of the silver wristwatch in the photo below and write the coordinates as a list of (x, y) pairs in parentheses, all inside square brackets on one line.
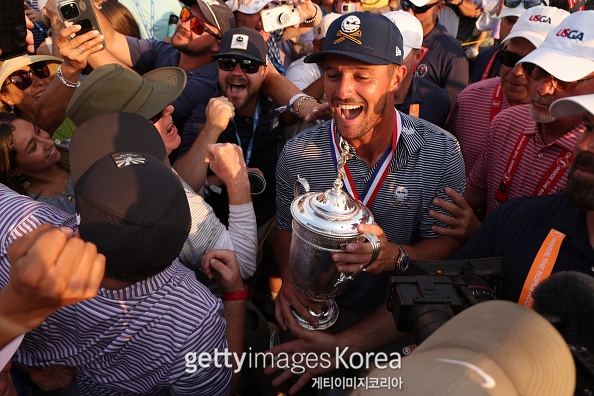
[(402, 261)]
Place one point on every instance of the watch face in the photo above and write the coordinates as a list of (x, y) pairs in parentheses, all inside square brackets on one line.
[(404, 263)]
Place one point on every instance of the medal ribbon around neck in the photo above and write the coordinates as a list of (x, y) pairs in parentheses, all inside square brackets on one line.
[(379, 174)]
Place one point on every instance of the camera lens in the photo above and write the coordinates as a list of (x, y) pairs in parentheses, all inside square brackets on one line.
[(69, 11), (284, 18)]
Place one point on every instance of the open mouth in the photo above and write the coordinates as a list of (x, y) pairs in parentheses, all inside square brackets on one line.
[(349, 111), (236, 89), (37, 95), (170, 129), (51, 152)]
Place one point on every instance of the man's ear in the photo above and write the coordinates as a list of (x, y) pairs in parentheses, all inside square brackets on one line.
[(398, 74), (216, 47)]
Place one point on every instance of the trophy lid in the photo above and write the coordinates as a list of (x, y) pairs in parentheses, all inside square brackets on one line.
[(332, 213)]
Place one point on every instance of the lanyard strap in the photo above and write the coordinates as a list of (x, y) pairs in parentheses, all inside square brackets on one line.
[(379, 174), (547, 182), (149, 29), (542, 266), (250, 147), (496, 102), (490, 65)]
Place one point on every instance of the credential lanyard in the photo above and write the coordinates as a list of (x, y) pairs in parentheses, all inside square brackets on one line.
[(546, 183), (379, 174), (149, 29), (490, 65), (496, 102), (542, 266), (250, 147)]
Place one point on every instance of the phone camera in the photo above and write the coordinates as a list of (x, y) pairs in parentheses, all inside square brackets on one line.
[(69, 11), (284, 18)]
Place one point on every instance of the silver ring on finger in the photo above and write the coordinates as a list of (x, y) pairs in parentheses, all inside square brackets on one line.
[(80, 50)]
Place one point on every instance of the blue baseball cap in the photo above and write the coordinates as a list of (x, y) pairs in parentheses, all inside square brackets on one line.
[(367, 37)]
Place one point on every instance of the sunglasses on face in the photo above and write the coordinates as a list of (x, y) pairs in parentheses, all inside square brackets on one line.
[(22, 78), (509, 58), (407, 5), (527, 3), (247, 66), (197, 26), (537, 73)]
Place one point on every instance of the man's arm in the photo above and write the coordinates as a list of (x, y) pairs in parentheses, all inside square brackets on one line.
[(49, 269), (373, 332), (222, 265), (192, 166)]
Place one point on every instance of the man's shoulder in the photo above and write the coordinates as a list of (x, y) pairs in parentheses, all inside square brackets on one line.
[(428, 88), (514, 117), (443, 42), (547, 208), (318, 134), (422, 129)]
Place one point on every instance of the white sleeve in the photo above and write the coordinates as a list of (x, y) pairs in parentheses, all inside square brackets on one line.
[(242, 237)]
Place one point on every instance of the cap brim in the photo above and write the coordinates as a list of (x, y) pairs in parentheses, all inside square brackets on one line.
[(535, 38), (112, 133), (556, 63), (241, 54), (168, 83), (533, 354), (14, 64), (321, 56), (572, 106)]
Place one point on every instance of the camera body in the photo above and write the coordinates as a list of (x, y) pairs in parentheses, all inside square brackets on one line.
[(435, 291), (79, 12), (348, 8), (279, 17)]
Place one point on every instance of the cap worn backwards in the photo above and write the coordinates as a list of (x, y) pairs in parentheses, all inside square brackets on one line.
[(363, 36)]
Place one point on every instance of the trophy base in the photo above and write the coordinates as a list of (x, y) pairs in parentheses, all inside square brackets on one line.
[(326, 318)]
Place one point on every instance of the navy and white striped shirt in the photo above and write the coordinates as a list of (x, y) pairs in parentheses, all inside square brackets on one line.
[(427, 159), (127, 341), (134, 340)]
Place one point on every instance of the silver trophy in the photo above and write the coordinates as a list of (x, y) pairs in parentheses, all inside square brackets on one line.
[(323, 224)]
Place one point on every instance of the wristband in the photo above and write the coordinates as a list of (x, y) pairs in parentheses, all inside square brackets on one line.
[(235, 296), (299, 104), (313, 18), (64, 81)]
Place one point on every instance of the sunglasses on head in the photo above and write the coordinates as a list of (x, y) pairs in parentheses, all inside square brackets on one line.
[(537, 73), (197, 26), (22, 78), (247, 65), (527, 3), (407, 5), (509, 58)]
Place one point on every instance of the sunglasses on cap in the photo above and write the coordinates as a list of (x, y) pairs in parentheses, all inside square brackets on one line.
[(537, 73), (407, 5), (247, 65), (197, 26), (509, 58), (527, 3), (22, 78)]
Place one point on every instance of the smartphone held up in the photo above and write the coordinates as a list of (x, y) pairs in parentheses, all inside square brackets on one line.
[(79, 12), (13, 29)]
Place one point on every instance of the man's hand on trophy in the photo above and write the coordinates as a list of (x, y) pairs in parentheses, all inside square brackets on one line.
[(289, 297), (360, 254), (289, 356)]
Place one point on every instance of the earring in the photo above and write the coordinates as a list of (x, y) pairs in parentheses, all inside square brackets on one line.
[(11, 109), (21, 181)]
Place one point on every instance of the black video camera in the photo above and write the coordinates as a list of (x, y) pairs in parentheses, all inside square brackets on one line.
[(434, 291)]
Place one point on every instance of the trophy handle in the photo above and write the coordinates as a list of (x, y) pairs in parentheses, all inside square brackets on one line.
[(303, 181), (375, 245)]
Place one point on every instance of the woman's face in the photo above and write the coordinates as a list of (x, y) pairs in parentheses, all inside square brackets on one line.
[(26, 99), (35, 150)]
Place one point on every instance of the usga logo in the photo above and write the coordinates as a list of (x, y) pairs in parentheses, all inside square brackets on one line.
[(571, 34), (540, 18)]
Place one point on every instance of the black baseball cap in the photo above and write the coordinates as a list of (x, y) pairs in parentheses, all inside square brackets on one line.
[(367, 37), (243, 42)]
